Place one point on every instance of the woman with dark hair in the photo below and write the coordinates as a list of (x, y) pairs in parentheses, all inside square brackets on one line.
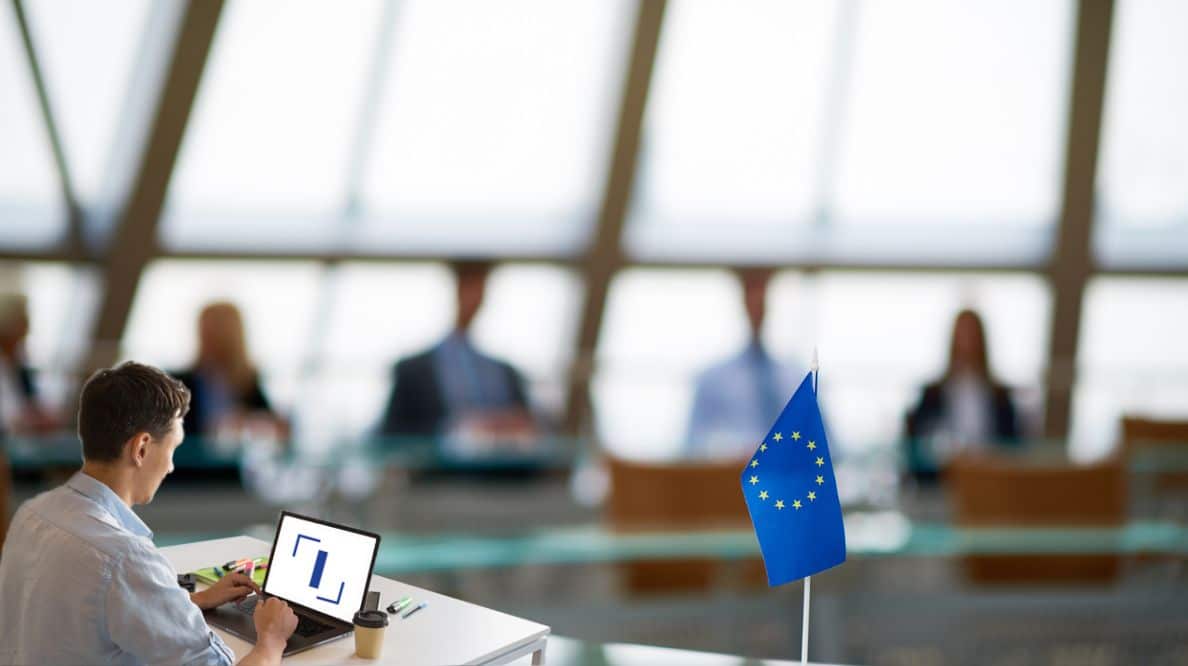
[(967, 408)]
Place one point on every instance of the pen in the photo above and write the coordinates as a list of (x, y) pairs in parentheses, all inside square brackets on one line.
[(218, 572), (415, 609), (397, 606)]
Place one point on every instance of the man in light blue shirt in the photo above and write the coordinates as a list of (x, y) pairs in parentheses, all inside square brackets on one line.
[(736, 401), (80, 579)]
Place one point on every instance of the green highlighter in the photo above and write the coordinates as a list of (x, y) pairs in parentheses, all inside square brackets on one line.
[(396, 606)]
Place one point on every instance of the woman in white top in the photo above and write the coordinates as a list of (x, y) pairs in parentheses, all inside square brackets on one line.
[(965, 409)]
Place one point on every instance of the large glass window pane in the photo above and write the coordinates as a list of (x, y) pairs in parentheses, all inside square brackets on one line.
[(494, 124), (880, 338), (278, 301), (266, 157), (660, 329), (530, 319), (382, 313), (733, 129), (836, 131), (1143, 201), (378, 314), (1132, 358), (31, 210), (87, 50), (956, 114)]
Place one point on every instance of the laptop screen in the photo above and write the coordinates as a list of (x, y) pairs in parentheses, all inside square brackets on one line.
[(321, 566)]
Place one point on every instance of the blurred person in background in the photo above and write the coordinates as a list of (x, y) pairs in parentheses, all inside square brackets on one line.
[(224, 384), (20, 409), (454, 390), (737, 400), (966, 409)]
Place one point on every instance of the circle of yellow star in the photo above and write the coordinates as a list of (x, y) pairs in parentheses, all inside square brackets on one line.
[(820, 480), (754, 463), (796, 504), (796, 435), (777, 437), (780, 504), (762, 447), (812, 496), (762, 494), (812, 445), (754, 480), (820, 461)]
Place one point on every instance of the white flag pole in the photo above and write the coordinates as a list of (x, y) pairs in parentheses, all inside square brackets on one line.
[(808, 580)]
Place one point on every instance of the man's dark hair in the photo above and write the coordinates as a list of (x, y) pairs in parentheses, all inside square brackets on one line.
[(117, 403)]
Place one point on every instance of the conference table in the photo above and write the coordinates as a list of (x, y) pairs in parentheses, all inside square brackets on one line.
[(450, 631)]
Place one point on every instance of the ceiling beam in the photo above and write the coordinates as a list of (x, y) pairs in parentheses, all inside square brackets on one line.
[(1072, 260), (134, 241), (74, 221), (605, 254)]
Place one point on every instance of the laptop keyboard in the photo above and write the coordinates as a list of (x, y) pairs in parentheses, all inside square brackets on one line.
[(306, 626)]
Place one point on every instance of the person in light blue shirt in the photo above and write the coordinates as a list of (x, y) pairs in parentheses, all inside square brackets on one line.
[(736, 401), (80, 579)]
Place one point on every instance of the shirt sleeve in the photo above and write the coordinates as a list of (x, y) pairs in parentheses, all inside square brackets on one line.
[(152, 618)]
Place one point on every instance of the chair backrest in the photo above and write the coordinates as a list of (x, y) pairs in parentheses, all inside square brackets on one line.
[(1140, 432), (1006, 492), (990, 492), (676, 496)]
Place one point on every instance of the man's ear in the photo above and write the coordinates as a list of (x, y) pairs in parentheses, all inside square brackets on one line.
[(139, 443)]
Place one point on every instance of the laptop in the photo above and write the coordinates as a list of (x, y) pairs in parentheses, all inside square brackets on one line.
[(322, 570)]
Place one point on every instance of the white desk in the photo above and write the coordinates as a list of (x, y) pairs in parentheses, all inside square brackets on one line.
[(447, 631)]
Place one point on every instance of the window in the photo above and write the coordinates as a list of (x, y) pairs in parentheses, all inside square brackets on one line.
[(732, 132), (278, 301), (378, 314), (880, 336), (660, 329), (810, 130), (494, 125), (30, 202), (1132, 358), (1143, 204), (87, 50), (267, 154)]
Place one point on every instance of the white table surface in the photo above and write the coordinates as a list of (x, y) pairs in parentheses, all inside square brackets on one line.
[(447, 631)]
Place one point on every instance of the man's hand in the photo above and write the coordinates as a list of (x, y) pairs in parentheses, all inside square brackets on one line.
[(232, 587), (275, 622)]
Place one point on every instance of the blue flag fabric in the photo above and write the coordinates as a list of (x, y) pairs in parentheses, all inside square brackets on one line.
[(791, 493)]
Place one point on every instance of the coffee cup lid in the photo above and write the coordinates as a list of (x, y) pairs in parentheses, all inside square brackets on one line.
[(372, 619)]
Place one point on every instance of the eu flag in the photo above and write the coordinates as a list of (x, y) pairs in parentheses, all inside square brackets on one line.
[(791, 493)]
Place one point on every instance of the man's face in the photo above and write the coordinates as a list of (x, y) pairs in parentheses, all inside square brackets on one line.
[(754, 285), (157, 462), (471, 288)]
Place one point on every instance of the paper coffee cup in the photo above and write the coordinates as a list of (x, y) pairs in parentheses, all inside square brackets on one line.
[(369, 633)]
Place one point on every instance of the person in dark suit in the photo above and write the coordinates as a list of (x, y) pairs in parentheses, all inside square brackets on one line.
[(965, 409), (21, 411), (453, 388), (224, 384)]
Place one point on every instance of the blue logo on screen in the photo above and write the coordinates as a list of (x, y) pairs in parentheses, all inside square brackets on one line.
[(315, 578)]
